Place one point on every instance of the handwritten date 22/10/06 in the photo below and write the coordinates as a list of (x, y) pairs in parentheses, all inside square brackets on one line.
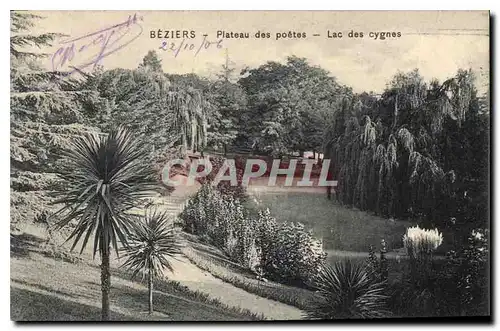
[(184, 46), (81, 52)]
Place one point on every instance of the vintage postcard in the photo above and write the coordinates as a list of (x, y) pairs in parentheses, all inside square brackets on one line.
[(249, 165)]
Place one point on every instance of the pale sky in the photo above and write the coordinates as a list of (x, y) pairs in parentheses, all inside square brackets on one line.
[(436, 42)]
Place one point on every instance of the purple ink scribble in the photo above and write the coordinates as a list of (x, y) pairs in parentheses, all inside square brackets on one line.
[(82, 52)]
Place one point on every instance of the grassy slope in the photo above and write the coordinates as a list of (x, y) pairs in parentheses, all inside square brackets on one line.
[(51, 289), (219, 265), (340, 227), (211, 259)]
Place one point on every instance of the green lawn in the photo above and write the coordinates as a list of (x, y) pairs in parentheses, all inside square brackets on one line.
[(341, 228), (45, 288)]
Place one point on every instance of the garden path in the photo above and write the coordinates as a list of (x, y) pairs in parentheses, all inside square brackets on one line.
[(195, 278)]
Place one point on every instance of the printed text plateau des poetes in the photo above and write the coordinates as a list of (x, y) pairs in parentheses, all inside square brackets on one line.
[(283, 35)]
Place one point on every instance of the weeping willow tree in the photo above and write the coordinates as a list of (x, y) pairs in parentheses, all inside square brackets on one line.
[(403, 154), (190, 118)]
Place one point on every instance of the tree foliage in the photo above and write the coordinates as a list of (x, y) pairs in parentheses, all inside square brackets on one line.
[(287, 105), (104, 178), (225, 123), (151, 61), (418, 151), (151, 244), (148, 102), (228, 103), (346, 290), (45, 113)]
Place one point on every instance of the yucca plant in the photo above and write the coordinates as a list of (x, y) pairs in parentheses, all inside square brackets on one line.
[(151, 244), (346, 290), (104, 176)]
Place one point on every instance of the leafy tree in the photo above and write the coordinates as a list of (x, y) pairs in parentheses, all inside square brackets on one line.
[(151, 244), (228, 102), (192, 110), (169, 111), (287, 105), (20, 23), (104, 178), (45, 112), (152, 61)]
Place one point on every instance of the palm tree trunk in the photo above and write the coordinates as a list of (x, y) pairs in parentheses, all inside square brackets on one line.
[(150, 285), (105, 284)]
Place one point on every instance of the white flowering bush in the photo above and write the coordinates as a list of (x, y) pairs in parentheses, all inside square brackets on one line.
[(285, 252), (289, 252), (420, 245), (419, 242), (456, 286)]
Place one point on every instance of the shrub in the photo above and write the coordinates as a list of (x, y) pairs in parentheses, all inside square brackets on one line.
[(194, 212), (33, 181), (421, 242), (378, 268), (420, 245), (225, 187), (470, 269), (249, 253), (285, 252), (373, 263), (231, 246), (290, 253), (438, 294), (457, 286), (345, 290)]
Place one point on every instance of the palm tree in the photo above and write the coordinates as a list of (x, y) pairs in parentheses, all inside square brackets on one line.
[(105, 177), (150, 246), (347, 290)]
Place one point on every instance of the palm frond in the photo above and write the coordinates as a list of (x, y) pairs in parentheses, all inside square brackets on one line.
[(346, 290), (104, 177), (152, 244)]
